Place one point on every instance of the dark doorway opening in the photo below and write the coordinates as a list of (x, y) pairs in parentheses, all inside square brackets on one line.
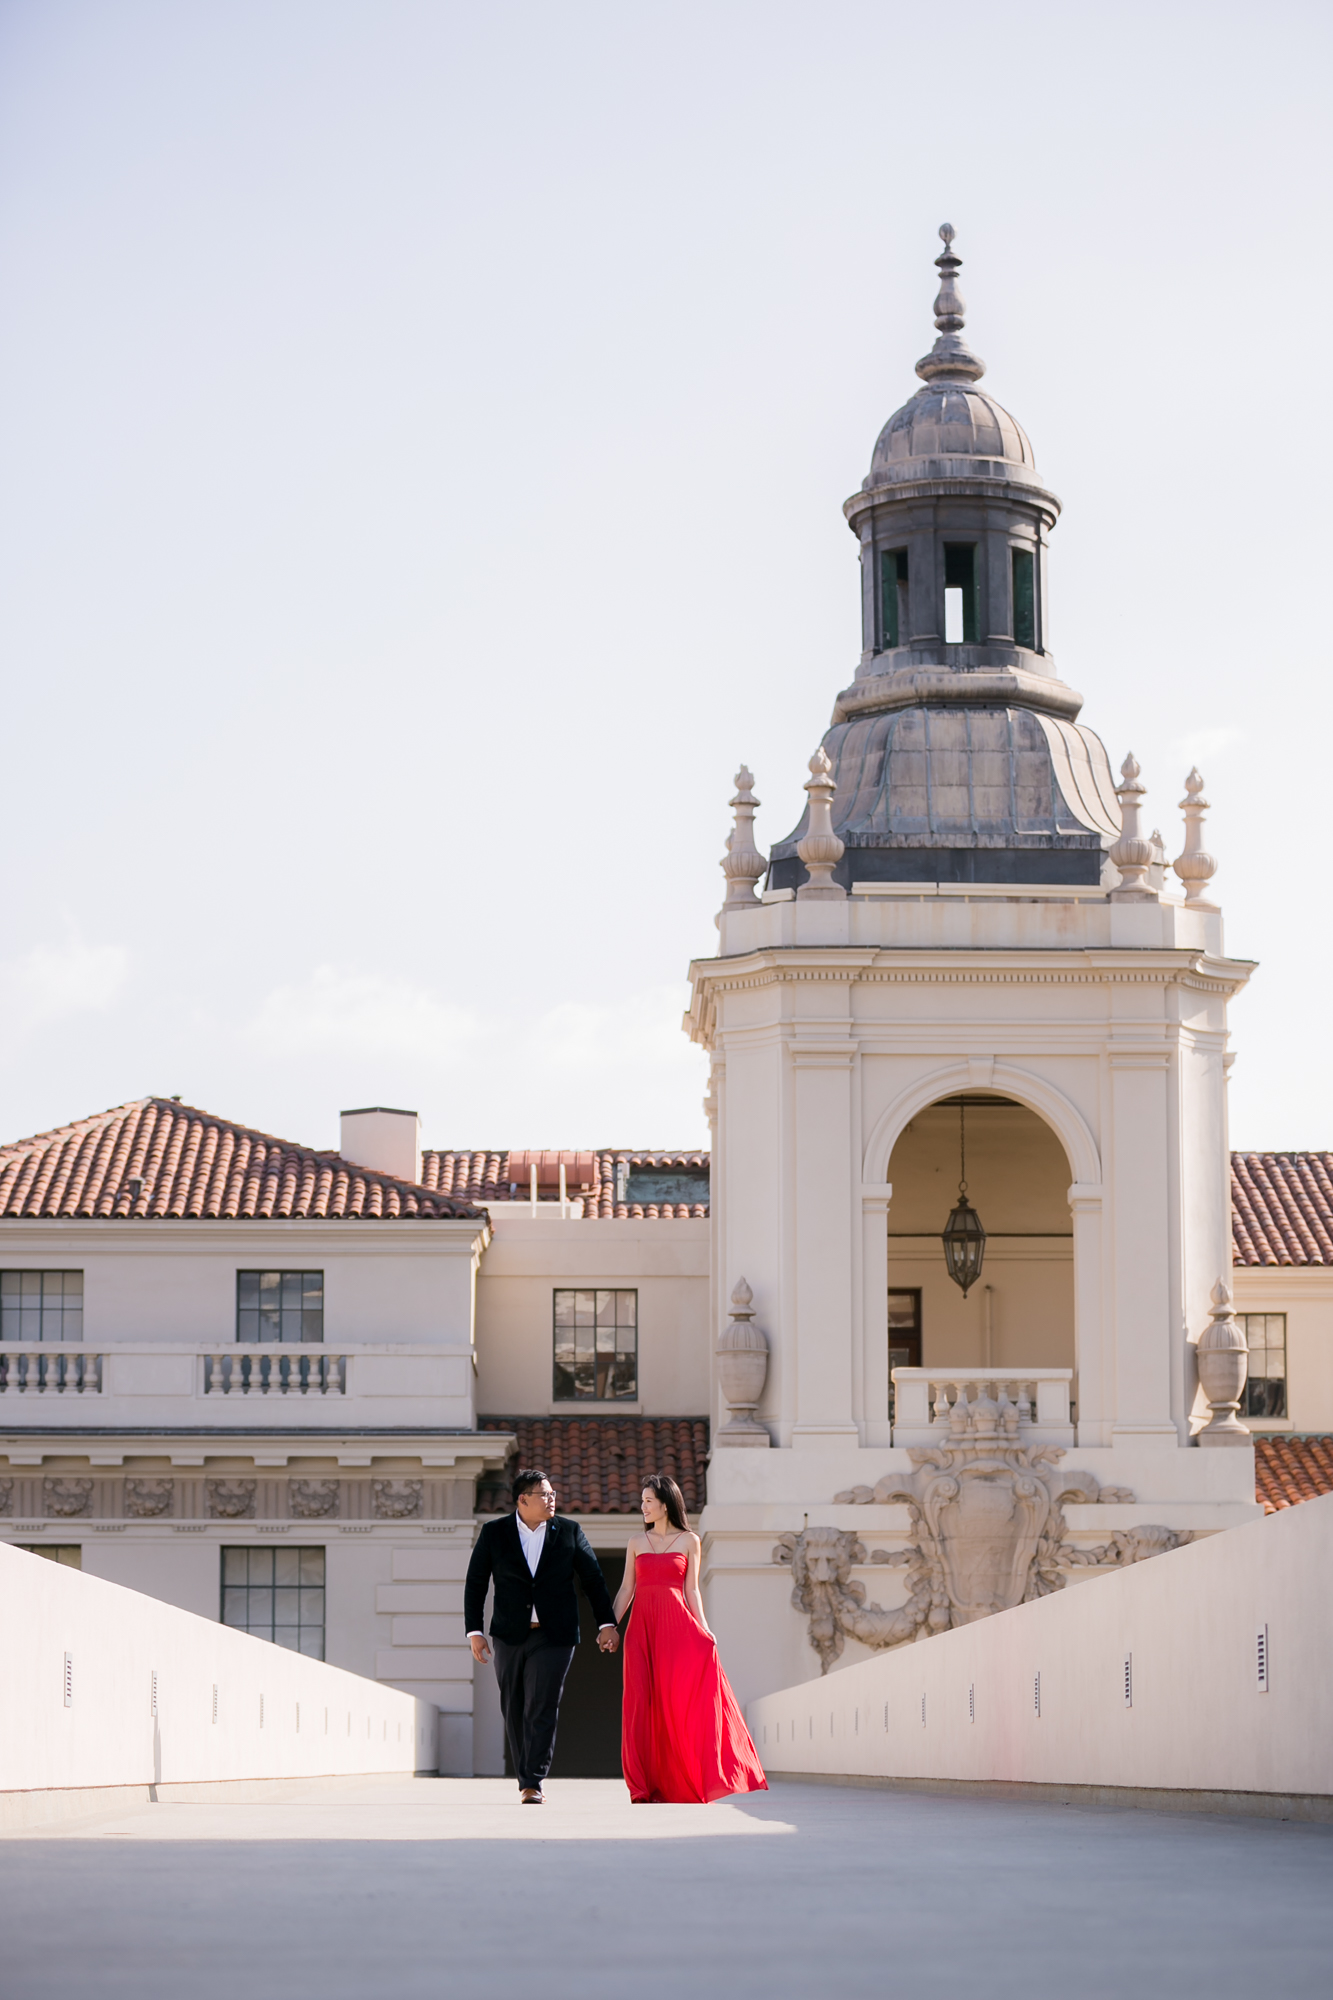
[(587, 1742)]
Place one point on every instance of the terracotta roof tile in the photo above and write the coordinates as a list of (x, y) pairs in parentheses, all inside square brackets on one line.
[(1282, 1208), (598, 1464), (485, 1176), (1288, 1470), (195, 1167)]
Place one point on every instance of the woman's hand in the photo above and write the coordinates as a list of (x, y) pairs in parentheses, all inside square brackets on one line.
[(625, 1594)]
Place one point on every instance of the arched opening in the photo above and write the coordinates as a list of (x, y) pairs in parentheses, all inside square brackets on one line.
[(1020, 1312)]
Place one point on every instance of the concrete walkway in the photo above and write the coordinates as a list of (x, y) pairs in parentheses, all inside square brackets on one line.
[(394, 1889)]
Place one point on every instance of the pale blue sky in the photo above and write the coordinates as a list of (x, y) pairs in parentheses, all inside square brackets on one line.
[(423, 433)]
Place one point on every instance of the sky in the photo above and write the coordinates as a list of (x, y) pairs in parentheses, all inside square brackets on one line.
[(423, 435)]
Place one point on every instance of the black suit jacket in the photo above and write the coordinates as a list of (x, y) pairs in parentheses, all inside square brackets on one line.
[(566, 1554)]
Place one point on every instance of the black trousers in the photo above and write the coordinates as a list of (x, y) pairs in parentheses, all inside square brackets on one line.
[(532, 1680)]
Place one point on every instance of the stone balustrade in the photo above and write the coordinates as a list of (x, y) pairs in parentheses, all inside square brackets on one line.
[(275, 1371), (144, 1382), (924, 1398), (50, 1371)]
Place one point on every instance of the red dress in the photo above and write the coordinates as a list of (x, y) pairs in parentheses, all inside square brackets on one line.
[(684, 1740)]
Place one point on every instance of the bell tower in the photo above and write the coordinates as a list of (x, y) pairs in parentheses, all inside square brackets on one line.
[(967, 942)]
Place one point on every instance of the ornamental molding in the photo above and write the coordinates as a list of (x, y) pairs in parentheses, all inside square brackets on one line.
[(987, 1533)]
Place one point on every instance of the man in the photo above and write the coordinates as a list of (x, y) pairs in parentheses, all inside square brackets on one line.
[(533, 1559)]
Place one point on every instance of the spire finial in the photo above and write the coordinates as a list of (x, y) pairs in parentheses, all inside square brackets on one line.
[(1194, 864), (1132, 854), (742, 864), (821, 850), (950, 359)]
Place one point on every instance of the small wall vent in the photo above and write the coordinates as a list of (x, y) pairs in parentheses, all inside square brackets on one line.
[(215, 1701), (69, 1680), (1036, 1694), (1129, 1680), (972, 1703), (1261, 1659), (152, 1692)]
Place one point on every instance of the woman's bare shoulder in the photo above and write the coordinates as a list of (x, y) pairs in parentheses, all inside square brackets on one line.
[(695, 1543)]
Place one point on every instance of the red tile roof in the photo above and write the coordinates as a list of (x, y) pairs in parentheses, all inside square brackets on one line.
[(1288, 1470), (485, 1176), (1282, 1208), (196, 1167), (597, 1465)]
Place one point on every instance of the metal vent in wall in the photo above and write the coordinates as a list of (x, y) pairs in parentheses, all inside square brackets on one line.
[(1129, 1680), (1036, 1694), (69, 1680), (1261, 1659)]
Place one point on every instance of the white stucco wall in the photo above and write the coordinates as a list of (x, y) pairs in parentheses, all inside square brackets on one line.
[(1305, 1295), (1197, 1720), (666, 1262), (149, 1281), (315, 1720)]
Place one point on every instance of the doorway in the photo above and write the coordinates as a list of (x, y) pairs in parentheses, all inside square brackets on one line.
[(587, 1742)]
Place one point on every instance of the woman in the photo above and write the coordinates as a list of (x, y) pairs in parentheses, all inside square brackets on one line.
[(684, 1739)]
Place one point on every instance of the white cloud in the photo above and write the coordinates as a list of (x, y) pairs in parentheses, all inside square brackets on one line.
[(51, 982), (344, 1013)]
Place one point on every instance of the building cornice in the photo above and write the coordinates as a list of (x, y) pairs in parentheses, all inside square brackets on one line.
[(778, 965)]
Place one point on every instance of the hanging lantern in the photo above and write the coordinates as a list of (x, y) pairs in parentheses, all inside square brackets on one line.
[(964, 1239)]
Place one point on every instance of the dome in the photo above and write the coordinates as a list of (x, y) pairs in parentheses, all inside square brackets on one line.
[(948, 420)]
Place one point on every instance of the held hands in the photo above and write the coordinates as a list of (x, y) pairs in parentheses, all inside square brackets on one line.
[(608, 1639)]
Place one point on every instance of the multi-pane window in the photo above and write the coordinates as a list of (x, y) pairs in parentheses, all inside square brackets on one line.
[(904, 1334), (279, 1305), (276, 1594), (596, 1345), (69, 1553), (1266, 1385), (41, 1305)]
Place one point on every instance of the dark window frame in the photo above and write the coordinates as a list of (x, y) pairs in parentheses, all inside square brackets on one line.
[(281, 1314), (594, 1370), (960, 573), (904, 1340), (52, 1312), (1265, 1394), (893, 573), (247, 1595), (1023, 585)]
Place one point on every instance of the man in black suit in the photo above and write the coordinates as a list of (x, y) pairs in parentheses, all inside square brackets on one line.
[(533, 1559)]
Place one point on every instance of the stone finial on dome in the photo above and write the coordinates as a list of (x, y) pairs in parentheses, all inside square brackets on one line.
[(950, 359), (1194, 865), (821, 850), (1132, 854), (742, 864)]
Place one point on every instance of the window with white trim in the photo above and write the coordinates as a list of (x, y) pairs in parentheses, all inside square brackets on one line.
[(1266, 1384)]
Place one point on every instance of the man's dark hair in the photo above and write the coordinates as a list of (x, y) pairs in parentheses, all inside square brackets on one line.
[(524, 1483)]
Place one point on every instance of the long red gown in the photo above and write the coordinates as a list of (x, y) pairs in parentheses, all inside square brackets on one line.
[(683, 1739)]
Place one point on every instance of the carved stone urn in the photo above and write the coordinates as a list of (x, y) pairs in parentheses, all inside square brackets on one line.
[(742, 1365), (1224, 1363)]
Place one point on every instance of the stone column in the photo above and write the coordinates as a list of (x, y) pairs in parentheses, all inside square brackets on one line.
[(1139, 1170), (875, 1428), (822, 1092), (1093, 1357)]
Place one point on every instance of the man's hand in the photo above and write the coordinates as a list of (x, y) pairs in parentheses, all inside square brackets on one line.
[(608, 1639), (480, 1650)]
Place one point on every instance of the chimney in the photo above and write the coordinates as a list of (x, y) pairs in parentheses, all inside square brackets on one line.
[(388, 1141)]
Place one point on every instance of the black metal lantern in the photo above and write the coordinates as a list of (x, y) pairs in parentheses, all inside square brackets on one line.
[(964, 1239)]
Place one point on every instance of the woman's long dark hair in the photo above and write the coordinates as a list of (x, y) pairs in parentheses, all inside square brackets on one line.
[(671, 1497)]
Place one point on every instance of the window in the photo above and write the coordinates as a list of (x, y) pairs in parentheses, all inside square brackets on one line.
[(596, 1346), (1266, 1385), (893, 625), (1025, 598), (647, 1185), (279, 1305), (41, 1305), (69, 1553), (904, 1335), (276, 1594), (960, 594)]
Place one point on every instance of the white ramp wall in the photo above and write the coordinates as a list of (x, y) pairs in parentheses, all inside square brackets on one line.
[(101, 1687), (1203, 1671)]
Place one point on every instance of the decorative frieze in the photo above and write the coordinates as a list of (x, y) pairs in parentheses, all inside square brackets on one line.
[(148, 1499), (67, 1499), (313, 1499), (231, 1499), (397, 1499)]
